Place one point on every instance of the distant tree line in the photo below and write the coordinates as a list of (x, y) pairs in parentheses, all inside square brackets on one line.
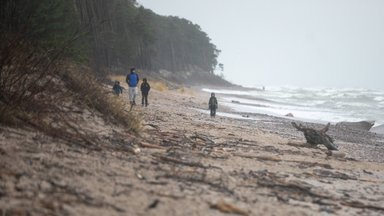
[(110, 34)]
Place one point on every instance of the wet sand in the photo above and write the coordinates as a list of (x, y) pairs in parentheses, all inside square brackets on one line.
[(186, 163)]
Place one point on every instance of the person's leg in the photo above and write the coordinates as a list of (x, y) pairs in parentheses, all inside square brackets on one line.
[(130, 94), (134, 95), (146, 99), (142, 98), (214, 112)]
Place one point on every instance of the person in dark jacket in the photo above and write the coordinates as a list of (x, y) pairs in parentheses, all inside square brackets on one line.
[(117, 89), (132, 81), (145, 87), (213, 104)]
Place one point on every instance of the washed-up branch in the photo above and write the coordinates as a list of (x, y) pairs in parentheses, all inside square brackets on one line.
[(315, 137)]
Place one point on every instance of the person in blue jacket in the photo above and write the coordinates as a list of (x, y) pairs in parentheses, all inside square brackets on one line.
[(132, 81)]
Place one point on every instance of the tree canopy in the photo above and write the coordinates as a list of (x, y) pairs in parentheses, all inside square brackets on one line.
[(114, 34)]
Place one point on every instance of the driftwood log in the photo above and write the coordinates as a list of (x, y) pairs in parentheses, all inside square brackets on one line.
[(315, 137)]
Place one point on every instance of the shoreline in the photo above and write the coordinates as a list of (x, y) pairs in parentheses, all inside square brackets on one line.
[(244, 102), (228, 111), (186, 163), (351, 141)]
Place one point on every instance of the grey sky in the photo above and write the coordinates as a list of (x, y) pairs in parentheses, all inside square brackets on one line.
[(307, 43)]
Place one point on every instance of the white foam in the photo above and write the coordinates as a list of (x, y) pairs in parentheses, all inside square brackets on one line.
[(318, 104), (230, 92)]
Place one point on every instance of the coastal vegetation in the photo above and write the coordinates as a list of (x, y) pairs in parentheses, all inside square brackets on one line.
[(111, 35), (54, 52)]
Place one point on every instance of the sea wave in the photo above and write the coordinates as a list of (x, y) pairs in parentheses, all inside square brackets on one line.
[(319, 104)]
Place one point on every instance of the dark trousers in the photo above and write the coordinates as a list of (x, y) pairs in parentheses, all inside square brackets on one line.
[(213, 112), (144, 99)]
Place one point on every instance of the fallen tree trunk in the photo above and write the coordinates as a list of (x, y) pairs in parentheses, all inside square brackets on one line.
[(315, 137)]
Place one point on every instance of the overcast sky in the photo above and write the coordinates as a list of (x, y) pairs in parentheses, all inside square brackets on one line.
[(306, 43)]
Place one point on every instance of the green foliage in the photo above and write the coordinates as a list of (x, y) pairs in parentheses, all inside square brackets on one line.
[(119, 34), (49, 24), (124, 35), (53, 23)]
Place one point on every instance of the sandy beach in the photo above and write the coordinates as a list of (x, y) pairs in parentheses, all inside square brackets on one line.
[(186, 163)]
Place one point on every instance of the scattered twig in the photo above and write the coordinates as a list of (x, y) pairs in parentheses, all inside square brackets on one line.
[(177, 161), (228, 208), (148, 145), (358, 204), (153, 125), (201, 137), (153, 204), (259, 157)]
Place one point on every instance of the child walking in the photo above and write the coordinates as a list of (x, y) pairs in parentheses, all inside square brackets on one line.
[(117, 89), (145, 87), (213, 104)]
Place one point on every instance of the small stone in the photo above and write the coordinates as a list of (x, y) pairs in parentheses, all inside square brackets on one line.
[(61, 183), (139, 176), (45, 186), (29, 194), (24, 183), (289, 115), (40, 196), (337, 154), (136, 150)]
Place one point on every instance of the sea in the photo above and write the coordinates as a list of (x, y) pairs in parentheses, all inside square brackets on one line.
[(309, 104)]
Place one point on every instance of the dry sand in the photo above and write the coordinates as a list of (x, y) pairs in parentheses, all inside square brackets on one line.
[(186, 163)]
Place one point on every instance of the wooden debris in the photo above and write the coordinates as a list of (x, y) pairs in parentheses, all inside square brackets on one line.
[(259, 157), (359, 204), (168, 195), (203, 138), (153, 204), (315, 137), (330, 174), (180, 162), (228, 208), (147, 145), (153, 126)]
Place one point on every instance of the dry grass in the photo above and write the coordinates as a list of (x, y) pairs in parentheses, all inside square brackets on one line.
[(26, 79), (159, 85), (155, 84), (186, 91), (89, 91), (49, 96), (119, 78)]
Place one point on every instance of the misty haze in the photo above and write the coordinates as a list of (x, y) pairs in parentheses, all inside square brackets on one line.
[(171, 107)]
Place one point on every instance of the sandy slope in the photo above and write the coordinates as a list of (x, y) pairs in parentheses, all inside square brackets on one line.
[(189, 164)]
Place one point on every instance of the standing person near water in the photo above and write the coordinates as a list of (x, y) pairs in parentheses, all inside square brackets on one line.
[(132, 81), (145, 87), (213, 104)]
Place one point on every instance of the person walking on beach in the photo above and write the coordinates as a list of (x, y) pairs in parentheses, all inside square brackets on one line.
[(145, 87), (213, 104), (132, 81), (117, 89)]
